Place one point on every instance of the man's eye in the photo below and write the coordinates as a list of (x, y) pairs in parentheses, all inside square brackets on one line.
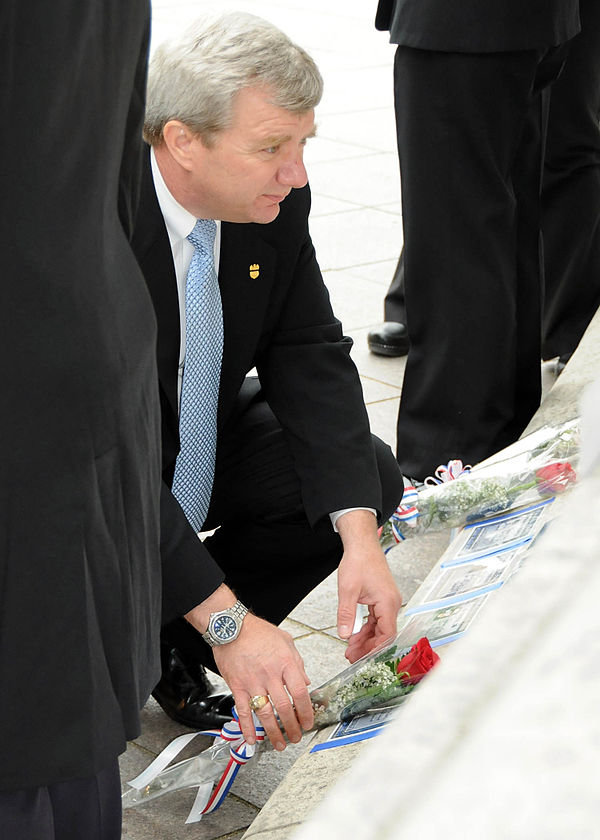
[(270, 150)]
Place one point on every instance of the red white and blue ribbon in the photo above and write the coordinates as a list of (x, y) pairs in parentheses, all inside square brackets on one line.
[(447, 472), (207, 798), (407, 511)]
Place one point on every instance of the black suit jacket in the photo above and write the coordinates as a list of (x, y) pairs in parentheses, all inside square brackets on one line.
[(280, 322), (478, 25), (79, 428)]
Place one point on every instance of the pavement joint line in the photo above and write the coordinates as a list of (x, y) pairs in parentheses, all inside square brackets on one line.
[(143, 748), (384, 400), (239, 798), (381, 381)]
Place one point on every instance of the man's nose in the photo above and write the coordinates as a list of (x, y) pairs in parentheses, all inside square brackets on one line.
[(293, 174)]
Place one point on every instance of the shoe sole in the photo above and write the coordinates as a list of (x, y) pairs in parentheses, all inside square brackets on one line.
[(388, 349)]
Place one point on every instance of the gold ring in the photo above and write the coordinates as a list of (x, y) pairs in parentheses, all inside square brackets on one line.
[(258, 702)]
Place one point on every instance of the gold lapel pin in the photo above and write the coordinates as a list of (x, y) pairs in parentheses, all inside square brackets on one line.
[(254, 270)]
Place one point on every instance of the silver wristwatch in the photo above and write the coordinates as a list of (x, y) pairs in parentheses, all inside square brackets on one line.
[(224, 626)]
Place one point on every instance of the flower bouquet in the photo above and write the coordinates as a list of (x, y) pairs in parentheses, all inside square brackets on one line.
[(539, 465), (381, 677)]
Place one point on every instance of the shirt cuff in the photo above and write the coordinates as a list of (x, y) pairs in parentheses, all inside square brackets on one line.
[(337, 513)]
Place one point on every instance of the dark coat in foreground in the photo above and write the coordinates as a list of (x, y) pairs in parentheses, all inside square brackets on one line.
[(79, 429)]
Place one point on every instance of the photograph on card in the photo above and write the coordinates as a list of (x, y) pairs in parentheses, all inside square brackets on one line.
[(456, 583), (358, 728), (442, 624), (489, 536)]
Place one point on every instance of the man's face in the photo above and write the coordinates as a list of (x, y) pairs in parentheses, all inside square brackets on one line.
[(252, 165)]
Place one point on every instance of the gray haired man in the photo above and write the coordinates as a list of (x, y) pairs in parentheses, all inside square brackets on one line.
[(292, 477)]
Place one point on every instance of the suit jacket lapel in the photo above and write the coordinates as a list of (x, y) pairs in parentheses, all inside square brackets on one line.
[(246, 275), (244, 297), (153, 250)]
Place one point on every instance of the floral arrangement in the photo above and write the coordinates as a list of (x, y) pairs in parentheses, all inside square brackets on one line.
[(533, 468), (380, 678)]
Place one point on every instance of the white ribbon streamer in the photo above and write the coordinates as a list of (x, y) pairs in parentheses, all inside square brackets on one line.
[(207, 799)]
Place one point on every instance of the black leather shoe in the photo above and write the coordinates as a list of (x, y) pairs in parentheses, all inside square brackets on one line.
[(390, 339), (184, 694)]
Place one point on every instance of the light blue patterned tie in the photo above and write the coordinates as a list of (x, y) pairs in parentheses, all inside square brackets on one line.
[(195, 466)]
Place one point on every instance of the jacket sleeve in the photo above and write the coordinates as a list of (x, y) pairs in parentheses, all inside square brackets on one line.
[(313, 387), (189, 572)]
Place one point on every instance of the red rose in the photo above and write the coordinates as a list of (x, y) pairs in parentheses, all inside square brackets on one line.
[(420, 659), (555, 478)]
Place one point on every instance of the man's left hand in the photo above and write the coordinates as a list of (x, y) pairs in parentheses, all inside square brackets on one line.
[(364, 577)]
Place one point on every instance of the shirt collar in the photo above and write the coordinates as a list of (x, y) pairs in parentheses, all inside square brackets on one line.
[(178, 220)]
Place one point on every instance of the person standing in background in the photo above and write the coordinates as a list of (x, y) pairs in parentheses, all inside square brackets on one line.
[(571, 194), (570, 209), (469, 79)]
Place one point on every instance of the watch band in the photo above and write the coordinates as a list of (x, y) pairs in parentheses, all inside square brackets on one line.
[(224, 626)]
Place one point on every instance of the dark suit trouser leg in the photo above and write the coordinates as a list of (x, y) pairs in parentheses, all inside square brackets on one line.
[(271, 556), (571, 192), (470, 131), (78, 809), (394, 306)]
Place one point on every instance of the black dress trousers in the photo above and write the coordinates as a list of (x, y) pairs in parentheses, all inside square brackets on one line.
[(571, 192), (470, 138)]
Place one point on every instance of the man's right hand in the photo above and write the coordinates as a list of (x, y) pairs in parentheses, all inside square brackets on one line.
[(263, 660)]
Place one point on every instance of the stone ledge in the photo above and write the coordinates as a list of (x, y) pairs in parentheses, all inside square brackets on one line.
[(504, 739), (313, 775)]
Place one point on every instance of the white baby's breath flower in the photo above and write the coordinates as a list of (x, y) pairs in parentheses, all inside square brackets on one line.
[(373, 674)]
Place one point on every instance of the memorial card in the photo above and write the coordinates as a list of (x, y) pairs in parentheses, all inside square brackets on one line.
[(510, 530), (460, 582), (441, 624), (358, 728)]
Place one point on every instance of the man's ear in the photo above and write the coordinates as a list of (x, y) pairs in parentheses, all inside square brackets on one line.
[(179, 139)]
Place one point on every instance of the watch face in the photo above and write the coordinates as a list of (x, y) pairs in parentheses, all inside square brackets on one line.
[(224, 627)]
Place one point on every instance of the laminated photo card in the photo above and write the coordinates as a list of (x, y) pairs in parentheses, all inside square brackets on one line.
[(460, 582), (358, 728), (441, 624), (512, 530)]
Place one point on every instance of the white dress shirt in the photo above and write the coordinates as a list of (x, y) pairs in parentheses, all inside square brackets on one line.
[(179, 223)]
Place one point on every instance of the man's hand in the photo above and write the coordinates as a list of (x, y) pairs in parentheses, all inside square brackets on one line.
[(262, 660), (364, 577)]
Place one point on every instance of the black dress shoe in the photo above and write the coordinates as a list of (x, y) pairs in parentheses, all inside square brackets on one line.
[(390, 339), (184, 694)]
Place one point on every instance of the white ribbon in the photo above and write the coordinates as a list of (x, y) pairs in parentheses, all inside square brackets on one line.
[(207, 799), (162, 760)]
